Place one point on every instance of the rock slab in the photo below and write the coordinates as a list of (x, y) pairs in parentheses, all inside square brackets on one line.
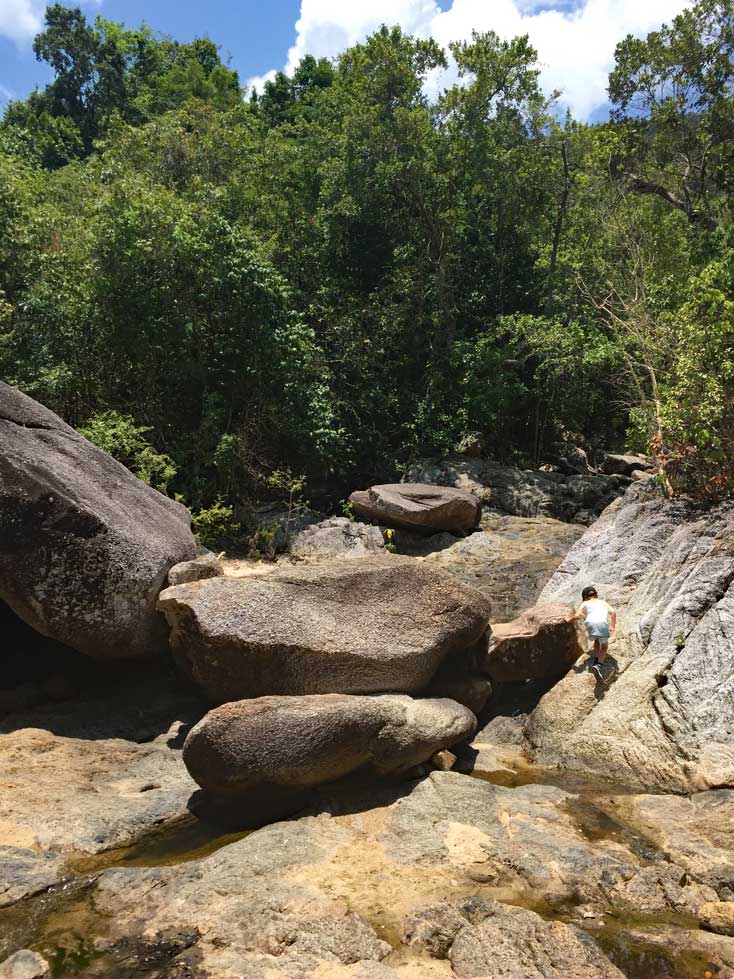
[(365, 625), (667, 721), (205, 566), (419, 506), (86, 546), (498, 940), (24, 964), (305, 741)]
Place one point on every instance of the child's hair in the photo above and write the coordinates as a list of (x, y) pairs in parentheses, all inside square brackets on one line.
[(588, 593)]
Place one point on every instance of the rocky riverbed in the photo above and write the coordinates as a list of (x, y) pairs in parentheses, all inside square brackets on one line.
[(356, 763), (439, 876)]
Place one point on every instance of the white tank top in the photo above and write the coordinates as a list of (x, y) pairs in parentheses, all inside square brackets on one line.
[(597, 612)]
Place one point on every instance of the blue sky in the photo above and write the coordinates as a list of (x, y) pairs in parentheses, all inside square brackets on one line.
[(575, 38), (256, 34)]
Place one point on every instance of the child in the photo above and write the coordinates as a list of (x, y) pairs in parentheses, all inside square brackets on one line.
[(600, 621)]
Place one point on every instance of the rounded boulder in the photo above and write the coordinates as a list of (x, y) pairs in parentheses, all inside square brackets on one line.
[(306, 741)]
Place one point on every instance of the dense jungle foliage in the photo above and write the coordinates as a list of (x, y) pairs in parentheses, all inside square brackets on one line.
[(233, 292)]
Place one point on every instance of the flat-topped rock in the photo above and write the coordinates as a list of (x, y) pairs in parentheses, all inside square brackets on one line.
[(615, 463), (305, 741), (204, 566), (419, 506), (86, 546), (350, 626)]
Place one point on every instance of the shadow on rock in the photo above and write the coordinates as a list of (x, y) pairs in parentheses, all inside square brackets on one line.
[(250, 810), (49, 686)]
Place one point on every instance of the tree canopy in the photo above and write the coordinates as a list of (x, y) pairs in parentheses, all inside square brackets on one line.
[(343, 272)]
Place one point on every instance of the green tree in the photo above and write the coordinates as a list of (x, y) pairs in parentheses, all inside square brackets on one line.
[(102, 70), (674, 90)]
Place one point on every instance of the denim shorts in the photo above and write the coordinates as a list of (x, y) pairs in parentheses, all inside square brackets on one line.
[(600, 631)]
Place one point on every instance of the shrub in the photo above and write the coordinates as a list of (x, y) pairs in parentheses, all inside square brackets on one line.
[(215, 525), (120, 437)]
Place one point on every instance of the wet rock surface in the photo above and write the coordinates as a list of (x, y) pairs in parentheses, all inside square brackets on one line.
[(304, 741), (696, 831), (448, 876), (86, 546), (91, 775), (364, 625), (667, 721)]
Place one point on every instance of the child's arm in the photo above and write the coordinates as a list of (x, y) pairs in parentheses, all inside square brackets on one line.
[(612, 621), (580, 613)]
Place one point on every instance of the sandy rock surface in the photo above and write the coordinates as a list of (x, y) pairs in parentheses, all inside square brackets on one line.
[(336, 537), (510, 559), (204, 566), (89, 776), (351, 891)]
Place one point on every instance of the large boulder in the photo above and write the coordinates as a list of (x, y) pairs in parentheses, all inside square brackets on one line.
[(354, 626), (574, 498), (305, 741), (539, 644), (418, 506), (667, 721), (85, 547)]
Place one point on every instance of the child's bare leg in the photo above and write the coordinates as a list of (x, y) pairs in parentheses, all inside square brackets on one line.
[(601, 653), (596, 648)]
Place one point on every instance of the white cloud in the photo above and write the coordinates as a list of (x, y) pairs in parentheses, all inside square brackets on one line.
[(258, 81), (575, 40), (20, 20)]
